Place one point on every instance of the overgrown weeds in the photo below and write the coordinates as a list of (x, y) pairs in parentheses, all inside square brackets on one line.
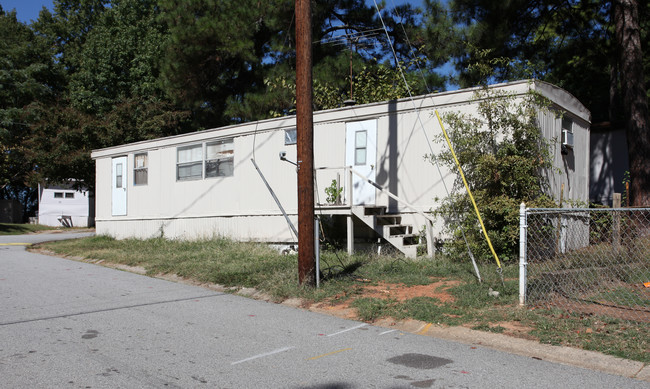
[(348, 280)]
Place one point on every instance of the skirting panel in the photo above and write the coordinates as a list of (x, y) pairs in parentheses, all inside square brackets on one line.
[(240, 228)]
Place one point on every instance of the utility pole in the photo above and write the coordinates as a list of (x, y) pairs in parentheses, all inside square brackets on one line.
[(305, 141)]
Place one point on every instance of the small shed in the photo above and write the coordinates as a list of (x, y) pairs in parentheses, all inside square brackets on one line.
[(230, 181), (62, 205)]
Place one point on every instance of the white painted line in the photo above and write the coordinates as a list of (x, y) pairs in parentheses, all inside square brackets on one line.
[(349, 329), (280, 350), (387, 332)]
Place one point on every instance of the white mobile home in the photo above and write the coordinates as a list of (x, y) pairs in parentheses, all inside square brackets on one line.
[(62, 205), (205, 184)]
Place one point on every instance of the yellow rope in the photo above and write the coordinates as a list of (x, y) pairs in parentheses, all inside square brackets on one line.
[(478, 214)]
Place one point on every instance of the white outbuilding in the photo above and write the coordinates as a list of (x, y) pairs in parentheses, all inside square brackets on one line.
[(64, 206)]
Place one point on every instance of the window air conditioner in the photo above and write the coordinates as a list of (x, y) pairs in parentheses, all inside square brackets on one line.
[(567, 138)]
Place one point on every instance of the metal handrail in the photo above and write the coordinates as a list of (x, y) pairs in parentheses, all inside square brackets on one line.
[(429, 219), (376, 185), (394, 197)]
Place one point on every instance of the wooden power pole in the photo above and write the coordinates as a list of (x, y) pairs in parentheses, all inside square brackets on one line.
[(305, 132)]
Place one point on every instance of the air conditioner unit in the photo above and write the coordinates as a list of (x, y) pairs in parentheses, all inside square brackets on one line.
[(567, 138)]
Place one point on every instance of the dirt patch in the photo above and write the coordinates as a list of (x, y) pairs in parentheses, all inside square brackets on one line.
[(513, 328), (438, 290), (340, 305)]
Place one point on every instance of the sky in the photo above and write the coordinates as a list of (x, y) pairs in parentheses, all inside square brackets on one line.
[(27, 10)]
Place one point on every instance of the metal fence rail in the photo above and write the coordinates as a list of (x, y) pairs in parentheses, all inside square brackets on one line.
[(594, 261)]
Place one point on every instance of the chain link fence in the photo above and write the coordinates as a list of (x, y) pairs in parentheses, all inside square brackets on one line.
[(594, 261)]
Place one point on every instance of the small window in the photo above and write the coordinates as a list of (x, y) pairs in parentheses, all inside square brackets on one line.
[(189, 165), (69, 195), (118, 175), (290, 137), (58, 195), (360, 147), (219, 159), (140, 171)]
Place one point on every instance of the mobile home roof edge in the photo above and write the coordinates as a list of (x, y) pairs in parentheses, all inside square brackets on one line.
[(444, 99)]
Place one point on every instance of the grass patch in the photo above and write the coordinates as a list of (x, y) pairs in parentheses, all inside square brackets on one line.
[(350, 279), (20, 229)]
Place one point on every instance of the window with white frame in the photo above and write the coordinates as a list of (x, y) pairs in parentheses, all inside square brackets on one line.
[(189, 162), (140, 169), (219, 158), (205, 160)]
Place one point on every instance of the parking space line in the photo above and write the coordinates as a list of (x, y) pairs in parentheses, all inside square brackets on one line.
[(348, 329), (280, 350)]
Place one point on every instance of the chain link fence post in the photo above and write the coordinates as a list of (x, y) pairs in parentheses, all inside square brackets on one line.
[(522, 253)]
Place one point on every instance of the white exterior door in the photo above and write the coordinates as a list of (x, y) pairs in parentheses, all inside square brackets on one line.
[(361, 154), (118, 198)]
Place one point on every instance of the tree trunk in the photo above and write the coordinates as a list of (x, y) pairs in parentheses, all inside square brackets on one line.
[(635, 101)]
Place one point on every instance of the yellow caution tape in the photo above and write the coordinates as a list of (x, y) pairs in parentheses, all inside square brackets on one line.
[(469, 192)]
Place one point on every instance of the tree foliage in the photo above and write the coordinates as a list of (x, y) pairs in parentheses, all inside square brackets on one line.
[(98, 73), (504, 156), (112, 95), (27, 74), (573, 44)]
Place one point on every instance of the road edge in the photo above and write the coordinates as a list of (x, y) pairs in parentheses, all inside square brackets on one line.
[(592, 360)]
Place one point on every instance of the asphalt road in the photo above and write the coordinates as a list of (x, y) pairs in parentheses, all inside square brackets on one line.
[(71, 324)]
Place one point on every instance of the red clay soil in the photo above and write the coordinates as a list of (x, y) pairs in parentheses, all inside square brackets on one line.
[(387, 291)]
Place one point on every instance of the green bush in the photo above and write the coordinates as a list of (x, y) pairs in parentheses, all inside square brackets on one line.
[(504, 157)]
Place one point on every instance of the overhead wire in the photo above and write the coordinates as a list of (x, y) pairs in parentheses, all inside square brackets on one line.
[(419, 120)]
